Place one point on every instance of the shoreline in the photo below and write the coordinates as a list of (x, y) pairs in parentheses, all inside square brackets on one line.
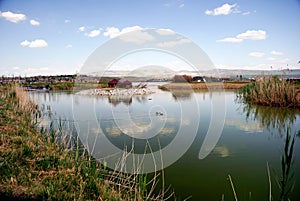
[(116, 92), (203, 86)]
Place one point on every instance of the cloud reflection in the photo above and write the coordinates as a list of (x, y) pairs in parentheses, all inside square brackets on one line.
[(222, 151), (245, 126)]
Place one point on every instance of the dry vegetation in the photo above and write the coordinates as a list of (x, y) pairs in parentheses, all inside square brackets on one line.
[(203, 86), (271, 91)]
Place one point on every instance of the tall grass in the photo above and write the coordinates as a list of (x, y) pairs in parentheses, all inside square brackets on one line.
[(52, 165), (271, 91)]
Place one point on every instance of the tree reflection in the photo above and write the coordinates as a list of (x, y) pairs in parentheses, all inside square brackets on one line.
[(272, 118), (115, 100), (181, 94)]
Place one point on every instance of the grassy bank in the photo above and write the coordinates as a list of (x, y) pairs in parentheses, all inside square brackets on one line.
[(272, 91), (203, 86), (33, 166)]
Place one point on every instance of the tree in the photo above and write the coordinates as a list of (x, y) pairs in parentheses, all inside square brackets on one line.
[(182, 78)]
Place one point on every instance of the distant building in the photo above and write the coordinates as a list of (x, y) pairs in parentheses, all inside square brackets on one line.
[(113, 83), (126, 84), (198, 79)]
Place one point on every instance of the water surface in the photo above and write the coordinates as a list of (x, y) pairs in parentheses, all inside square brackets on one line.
[(251, 137)]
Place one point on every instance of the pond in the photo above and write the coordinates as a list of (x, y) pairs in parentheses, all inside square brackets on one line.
[(250, 138)]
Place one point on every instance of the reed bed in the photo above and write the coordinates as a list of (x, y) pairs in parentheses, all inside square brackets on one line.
[(33, 165), (271, 91)]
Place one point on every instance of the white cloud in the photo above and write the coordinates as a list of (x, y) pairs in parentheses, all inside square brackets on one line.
[(225, 9), (129, 29), (81, 28), (34, 23), (248, 35), (25, 43), (271, 59), (246, 13), (93, 33), (34, 44), (138, 37), (256, 54), (181, 5), (165, 32), (13, 17), (276, 53), (69, 46), (67, 21), (253, 35), (113, 32), (173, 43), (230, 40)]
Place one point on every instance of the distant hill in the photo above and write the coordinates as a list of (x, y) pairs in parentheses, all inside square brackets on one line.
[(158, 72)]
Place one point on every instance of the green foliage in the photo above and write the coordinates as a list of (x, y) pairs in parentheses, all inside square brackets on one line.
[(62, 86)]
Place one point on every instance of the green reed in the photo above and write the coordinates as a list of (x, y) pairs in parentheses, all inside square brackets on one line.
[(286, 182)]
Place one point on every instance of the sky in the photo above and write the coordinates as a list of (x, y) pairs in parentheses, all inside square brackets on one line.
[(52, 37)]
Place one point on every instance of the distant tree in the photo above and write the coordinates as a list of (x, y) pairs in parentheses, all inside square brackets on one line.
[(241, 77), (182, 78)]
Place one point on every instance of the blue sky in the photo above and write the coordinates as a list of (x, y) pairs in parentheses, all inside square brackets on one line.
[(56, 37)]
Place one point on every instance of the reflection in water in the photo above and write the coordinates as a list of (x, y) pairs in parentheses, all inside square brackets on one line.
[(127, 100), (237, 152), (119, 137), (115, 100), (245, 126), (287, 180), (222, 151), (181, 94), (272, 118)]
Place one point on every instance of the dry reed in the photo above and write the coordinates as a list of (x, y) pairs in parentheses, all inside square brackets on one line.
[(271, 91)]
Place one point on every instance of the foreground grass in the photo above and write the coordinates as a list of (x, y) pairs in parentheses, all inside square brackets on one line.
[(33, 166)]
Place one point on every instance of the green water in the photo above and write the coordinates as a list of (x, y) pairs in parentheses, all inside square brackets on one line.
[(251, 137)]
